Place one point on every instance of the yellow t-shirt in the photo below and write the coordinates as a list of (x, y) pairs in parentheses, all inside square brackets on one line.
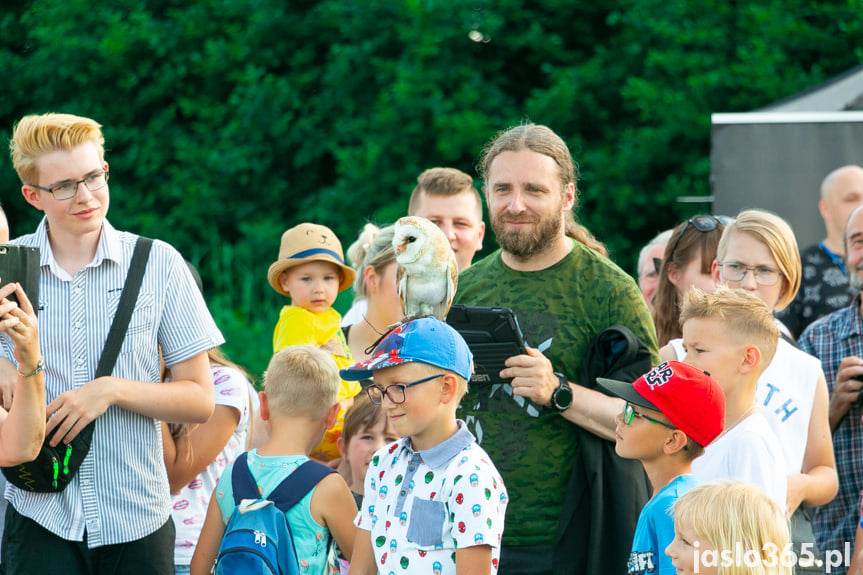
[(299, 326)]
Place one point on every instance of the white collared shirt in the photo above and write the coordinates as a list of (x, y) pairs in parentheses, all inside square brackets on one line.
[(420, 506), (120, 493)]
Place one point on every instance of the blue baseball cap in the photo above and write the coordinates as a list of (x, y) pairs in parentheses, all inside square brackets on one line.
[(424, 340)]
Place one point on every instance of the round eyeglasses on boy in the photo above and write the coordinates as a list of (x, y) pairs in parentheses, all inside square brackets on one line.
[(396, 391), (68, 190)]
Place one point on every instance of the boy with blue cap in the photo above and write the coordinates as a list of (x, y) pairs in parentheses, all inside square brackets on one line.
[(434, 502)]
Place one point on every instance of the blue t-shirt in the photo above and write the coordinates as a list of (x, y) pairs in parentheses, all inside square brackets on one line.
[(655, 530)]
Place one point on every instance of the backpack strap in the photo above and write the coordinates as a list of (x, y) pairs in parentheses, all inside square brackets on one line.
[(242, 481), (296, 485), (287, 493)]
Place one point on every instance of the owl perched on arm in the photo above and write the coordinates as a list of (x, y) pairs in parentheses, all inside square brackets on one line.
[(428, 272)]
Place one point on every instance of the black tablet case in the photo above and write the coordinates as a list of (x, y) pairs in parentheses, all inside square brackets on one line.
[(493, 335)]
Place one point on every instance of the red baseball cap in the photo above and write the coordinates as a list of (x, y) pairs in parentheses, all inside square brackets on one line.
[(690, 398)]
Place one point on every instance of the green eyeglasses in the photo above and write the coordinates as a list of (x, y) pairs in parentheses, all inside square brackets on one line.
[(629, 412)]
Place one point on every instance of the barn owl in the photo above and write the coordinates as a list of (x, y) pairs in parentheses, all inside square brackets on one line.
[(428, 272)]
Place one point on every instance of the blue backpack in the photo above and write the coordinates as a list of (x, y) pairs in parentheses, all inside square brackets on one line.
[(258, 537)]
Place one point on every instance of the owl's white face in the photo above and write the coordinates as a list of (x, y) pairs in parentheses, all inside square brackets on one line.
[(410, 239)]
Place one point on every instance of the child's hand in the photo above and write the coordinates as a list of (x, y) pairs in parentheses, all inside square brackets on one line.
[(334, 347)]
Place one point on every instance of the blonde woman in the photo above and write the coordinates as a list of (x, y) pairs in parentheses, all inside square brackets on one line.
[(730, 528), (374, 258)]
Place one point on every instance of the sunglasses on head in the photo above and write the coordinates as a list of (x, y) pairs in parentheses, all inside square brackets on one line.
[(703, 224)]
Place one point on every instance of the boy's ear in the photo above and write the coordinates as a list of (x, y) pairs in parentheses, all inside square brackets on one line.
[(449, 388), (283, 282), (675, 442), (340, 443), (31, 194), (333, 415), (265, 406), (751, 358)]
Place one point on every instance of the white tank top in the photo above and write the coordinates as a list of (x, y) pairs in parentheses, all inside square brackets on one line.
[(784, 395)]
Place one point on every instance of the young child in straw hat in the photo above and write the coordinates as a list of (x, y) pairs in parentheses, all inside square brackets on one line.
[(311, 271)]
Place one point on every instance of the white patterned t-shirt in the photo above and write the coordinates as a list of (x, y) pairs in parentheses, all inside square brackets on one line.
[(420, 506)]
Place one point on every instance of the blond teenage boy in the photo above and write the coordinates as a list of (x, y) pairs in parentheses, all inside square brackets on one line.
[(732, 335), (434, 502), (117, 509), (311, 271), (299, 402)]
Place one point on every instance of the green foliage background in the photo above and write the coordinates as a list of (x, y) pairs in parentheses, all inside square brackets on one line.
[(228, 121)]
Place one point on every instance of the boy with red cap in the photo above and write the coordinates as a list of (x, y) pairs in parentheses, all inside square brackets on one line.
[(671, 414)]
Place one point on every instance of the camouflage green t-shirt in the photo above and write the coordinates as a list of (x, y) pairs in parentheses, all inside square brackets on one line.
[(560, 309)]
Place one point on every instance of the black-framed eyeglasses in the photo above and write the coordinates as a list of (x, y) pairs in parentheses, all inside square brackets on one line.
[(702, 224), (735, 271), (396, 391), (629, 412), (68, 190)]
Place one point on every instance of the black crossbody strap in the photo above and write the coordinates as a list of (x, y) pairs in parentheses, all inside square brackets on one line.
[(125, 307)]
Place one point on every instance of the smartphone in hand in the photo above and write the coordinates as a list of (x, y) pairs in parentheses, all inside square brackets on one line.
[(21, 264)]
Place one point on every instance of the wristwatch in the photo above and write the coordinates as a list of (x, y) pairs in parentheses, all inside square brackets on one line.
[(561, 398)]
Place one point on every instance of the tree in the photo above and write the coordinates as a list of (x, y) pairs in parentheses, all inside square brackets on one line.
[(229, 121)]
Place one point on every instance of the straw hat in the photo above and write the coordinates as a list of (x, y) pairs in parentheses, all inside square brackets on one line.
[(309, 243)]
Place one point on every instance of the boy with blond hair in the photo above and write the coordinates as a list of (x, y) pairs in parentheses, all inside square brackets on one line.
[(732, 335), (300, 403), (666, 434), (117, 508), (434, 502)]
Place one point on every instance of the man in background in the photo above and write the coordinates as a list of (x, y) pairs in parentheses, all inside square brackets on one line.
[(447, 198), (824, 286)]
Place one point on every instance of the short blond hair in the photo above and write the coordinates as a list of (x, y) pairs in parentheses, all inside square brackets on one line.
[(301, 379), (778, 237), (746, 318), (36, 135), (734, 515)]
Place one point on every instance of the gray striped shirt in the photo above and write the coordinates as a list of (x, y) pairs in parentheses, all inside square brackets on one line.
[(121, 492)]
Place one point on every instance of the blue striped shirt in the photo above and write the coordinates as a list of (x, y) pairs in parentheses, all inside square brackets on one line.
[(121, 492), (830, 339)]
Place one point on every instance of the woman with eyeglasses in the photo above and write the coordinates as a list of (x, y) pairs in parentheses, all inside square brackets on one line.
[(686, 263), (758, 252)]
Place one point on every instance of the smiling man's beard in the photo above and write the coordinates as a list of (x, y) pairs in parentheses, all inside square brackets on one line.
[(525, 243)]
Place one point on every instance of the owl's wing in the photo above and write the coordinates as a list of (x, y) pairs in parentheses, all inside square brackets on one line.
[(402, 288), (451, 285)]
